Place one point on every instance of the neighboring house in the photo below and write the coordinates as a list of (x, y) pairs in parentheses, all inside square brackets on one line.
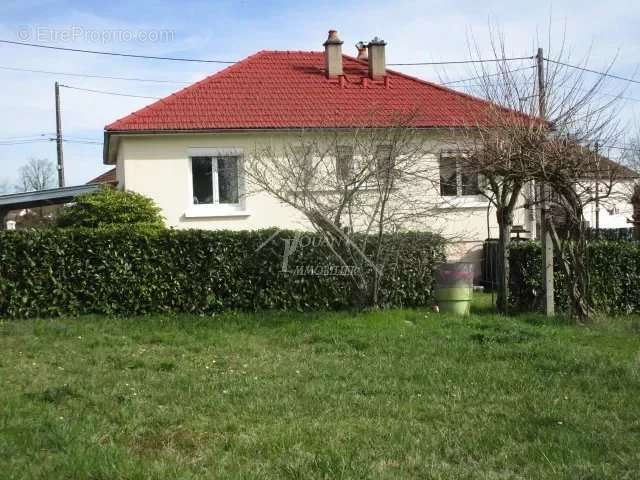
[(614, 209), (38, 208), (106, 178), (185, 151)]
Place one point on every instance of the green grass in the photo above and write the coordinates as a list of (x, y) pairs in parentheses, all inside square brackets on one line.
[(396, 394)]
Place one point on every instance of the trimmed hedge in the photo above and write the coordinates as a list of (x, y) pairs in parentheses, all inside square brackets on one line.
[(614, 268), (611, 234), (140, 270)]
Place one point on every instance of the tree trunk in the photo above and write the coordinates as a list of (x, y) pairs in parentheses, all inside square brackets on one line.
[(375, 297), (572, 252), (504, 240), (635, 201), (580, 299)]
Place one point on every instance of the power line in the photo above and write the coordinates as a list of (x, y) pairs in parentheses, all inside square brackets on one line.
[(73, 137), (81, 142), (604, 74), (597, 94), (620, 147), (106, 92), (47, 140), (114, 54), (200, 60), (460, 62), (612, 95), (26, 137), (90, 75), (45, 136), (489, 75), (154, 80), (24, 142)]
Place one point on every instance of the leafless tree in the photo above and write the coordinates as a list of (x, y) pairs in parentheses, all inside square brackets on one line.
[(356, 188), (36, 174), (521, 143), (573, 173), (502, 152)]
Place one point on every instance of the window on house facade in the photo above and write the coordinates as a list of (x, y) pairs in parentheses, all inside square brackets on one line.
[(303, 159), (385, 163), (344, 164), (215, 180), (456, 178)]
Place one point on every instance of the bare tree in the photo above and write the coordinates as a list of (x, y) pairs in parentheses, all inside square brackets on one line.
[(533, 122), (36, 174), (573, 173), (502, 151), (356, 188)]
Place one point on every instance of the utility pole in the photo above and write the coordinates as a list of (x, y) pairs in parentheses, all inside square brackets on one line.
[(59, 139), (545, 214), (597, 162)]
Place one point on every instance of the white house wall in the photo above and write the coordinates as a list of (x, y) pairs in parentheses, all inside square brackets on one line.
[(159, 167), (615, 210)]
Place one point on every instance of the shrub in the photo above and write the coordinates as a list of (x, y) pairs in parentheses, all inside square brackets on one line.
[(610, 234), (109, 206), (614, 271), (130, 271)]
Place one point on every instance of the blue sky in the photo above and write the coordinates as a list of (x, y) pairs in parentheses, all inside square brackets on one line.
[(230, 30)]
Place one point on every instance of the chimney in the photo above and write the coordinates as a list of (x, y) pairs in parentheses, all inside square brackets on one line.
[(333, 55), (362, 51), (377, 62)]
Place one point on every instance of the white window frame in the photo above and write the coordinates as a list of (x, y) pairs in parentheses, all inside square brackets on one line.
[(217, 209), (344, 174), (459, 200), (458, 167)]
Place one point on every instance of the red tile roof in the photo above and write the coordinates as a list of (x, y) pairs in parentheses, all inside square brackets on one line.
[(107, 177), (279, 89)]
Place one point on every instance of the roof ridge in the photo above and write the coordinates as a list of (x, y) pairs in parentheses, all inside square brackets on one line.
[(292, 51)]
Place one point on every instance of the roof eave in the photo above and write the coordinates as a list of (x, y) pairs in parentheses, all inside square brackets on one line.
[(269, 129)]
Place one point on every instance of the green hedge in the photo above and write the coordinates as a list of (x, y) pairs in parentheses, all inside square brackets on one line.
[(614, 268), (611, 234), (130, 271)]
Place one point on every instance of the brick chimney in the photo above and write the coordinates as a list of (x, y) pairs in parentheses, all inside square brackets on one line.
[(362, 51), (333, 55), (377, 61)]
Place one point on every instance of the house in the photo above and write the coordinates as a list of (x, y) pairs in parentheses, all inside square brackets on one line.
[(185, 150), (106, 178), (38, 208)]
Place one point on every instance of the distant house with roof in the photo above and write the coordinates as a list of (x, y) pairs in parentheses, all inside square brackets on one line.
[(107, 178), (174, 149)]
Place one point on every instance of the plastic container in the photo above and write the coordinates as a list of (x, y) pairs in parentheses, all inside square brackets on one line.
[(454, 287)]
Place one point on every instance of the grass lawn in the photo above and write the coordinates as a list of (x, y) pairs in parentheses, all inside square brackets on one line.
[(396, 394)]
